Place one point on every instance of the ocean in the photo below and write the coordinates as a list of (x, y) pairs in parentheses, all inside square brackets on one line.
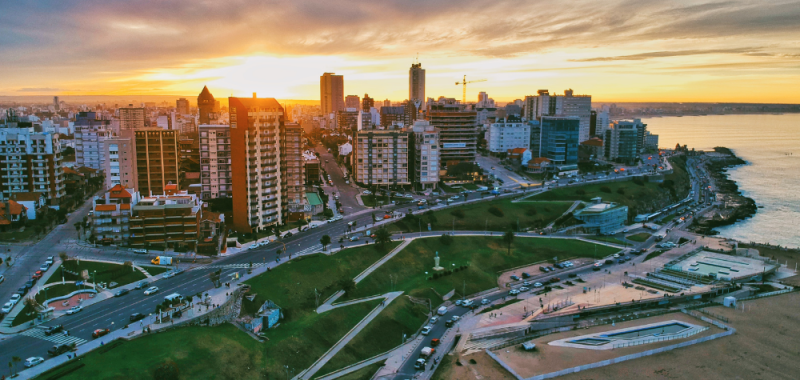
[(771, 146)]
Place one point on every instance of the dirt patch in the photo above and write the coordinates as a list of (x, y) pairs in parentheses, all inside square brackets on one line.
[(65, 304), (763, 347), (547, 358), (534, 271), (484, 368)]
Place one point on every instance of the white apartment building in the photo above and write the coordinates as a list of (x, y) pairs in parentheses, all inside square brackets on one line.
[(30, 162), (90, 136), (426, 154), (215, 161), (545, 104), (603, 121), (506, 134), (120, 164), (381, 157)]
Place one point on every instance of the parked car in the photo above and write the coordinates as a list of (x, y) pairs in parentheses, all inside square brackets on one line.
[(121, 292), (142, 285), (100, 332), (288, 234), (58, 349), (50, 260), (33, 361), (426, 330), (485, 301), (449, 323), (15, 298), (543, 269), (7, 308), (525, 275), (136, 316), (573, 275), (44, 267), (459, 302), (53, 329), (74, 310), (523, 289), (434, 320), (514, 277), (151, 290), (467, 303)]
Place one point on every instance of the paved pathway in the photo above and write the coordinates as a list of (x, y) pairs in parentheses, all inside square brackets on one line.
[(569, 210), (308, 373)]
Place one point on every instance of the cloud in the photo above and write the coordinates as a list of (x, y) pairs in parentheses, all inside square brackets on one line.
[(680, 53), (38, 89)]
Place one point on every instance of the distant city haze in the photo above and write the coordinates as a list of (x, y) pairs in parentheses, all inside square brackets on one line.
[(687, 51), (770, 176)]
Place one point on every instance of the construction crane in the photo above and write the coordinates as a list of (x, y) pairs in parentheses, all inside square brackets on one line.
[(464, 83)]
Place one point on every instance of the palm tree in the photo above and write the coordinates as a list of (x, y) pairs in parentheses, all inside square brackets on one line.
[(508, 238), (382, 236), (325, 241)]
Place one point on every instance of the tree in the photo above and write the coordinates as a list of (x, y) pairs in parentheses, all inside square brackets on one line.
[(508, 238), (346, 284), (446, 239), (325, 241), (167, 371), (382, 236)]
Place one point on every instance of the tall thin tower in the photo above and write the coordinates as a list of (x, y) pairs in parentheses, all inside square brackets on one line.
[(416, 82)]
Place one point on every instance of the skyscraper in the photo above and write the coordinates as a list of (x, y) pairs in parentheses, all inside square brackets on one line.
[(458, 132), (156, 160), (255, 125), (205, 104), (331, 93), (559, 139), (546, 104), (215, 161), (90, 136), (416, 82), (131, 118), (293, 200), (56, 105)]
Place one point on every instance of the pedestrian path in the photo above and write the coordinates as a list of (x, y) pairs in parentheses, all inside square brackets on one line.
[(229, 266), (571, 209), (144, 271), (57, 338)]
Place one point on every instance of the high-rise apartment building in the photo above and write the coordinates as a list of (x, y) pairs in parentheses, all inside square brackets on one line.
[(156, 160), (255, 125), (416, 82), (331, 93), (90, 136), (506, 134), (120, 164), (352, 101), (30, 162), (131, 118), (602, 122), (426, 154), (206, 105), (182, 106), (215, 162), (367, 103), (546, 104), (458, 132), (624, 140), (380, 157), (559, 139), (56, 104), (167, 220), (293, 199)]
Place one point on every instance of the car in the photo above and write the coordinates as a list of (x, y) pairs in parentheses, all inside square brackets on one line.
[(434, 320), (58, 350), (426, 330), (353, 238), (595, 269), (408, 196), (33, 361), (559, 265), (554, 280), (572, 275), (525, 275), (515, 278), (100, 332), (513, 292), (136, 316), (7, 308), (74, 310), (543, 269), (169, 274), (459, 302), (485, 301), (523, 288), (288, 234), (15, 298), (29, 284), (121, 292), (142, 285), (140, 250), (526, 283), (455, 318), (366, 192), (620, 261), (420, 364), (50, 330), (551, 269), (537, 285), (616, 255), (449, 323), (44, 267), (50, 260), (467, 303), (151, 290), (609, 261)]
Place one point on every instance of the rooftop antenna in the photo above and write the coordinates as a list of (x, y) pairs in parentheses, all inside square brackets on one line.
[(416, 60)]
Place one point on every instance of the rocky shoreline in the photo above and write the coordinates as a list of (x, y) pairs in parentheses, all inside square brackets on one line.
[(736, 207)]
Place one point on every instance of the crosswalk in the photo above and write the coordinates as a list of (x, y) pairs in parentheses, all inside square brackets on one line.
[(57, 338)]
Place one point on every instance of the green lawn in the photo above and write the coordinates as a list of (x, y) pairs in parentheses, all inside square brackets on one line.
[(483, 256), (477, 217), (224, 352), (400, 317), (640, 237), (364, 373), (470, 186), (607, 239), (98, 272)]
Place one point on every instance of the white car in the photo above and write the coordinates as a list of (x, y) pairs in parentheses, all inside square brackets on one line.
[(50, 260), (616, 255), (7, 307), (74, 310), (434, 320), (426, 330), (459, 302), (167, 275), (455, 318), (513, 292), (467, 303), (537, 285), (44, 267), (523, 289), (484, 301), (32, 361), (408, 196), (366, 192), (151, 290)]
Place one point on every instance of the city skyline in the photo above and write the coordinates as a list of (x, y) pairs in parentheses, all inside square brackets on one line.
[(619, 51)]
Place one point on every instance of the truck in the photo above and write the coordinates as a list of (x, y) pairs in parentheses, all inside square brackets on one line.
[(162, 260), (442, 310), (426, 352)]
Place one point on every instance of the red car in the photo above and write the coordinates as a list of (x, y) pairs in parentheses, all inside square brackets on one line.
[(100, 332), (37, 275)]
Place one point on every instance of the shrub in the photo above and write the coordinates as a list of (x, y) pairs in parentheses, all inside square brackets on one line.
[(580, 192), (458, 213), (496, 211), (638, 181), (446, 239), (472, 361), (621, 191), (605, 189)]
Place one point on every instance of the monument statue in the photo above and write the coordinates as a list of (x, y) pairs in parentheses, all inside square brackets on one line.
[(436, 262)]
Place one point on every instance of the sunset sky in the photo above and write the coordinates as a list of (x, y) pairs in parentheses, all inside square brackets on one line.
[(644, 50)]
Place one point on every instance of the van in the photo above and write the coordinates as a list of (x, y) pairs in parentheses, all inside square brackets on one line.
[(442, 310), (140, 250), (173, 297)]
